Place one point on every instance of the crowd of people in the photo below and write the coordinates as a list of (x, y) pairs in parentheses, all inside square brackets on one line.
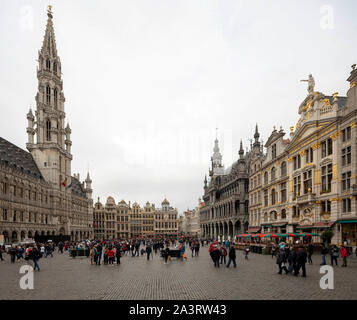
[(290, 258)]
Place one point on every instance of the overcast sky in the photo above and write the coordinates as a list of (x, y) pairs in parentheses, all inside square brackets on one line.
[(147, 82)]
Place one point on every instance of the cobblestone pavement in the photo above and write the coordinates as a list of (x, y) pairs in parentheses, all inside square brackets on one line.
[(62, 277)]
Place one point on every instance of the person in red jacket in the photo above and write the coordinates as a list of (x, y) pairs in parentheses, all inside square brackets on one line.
[(223, 253), (110, 254), (344, 255)]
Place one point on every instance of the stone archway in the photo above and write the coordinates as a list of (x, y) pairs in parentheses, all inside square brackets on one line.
[(230, 229), (237, 227), (14, 236), (23, 235), (6, 236), (29, 234), (42, 233)]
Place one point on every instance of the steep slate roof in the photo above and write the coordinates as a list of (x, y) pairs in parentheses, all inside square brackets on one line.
[(77, 188), (15, 157)]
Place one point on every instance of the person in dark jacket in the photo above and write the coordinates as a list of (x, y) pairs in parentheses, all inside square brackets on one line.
[(334, 254), (98, 255), (292, 260), (166, 253), (215, 256), (1, 258), (35, 255), (310, 250), (197, 248), (232, 256), (281, 261), (148, 250), (13, 252), (301, 260), (118, 253), (324, 252)]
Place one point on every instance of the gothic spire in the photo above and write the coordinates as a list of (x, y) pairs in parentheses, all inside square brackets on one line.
[(241, 151), (49, 48)]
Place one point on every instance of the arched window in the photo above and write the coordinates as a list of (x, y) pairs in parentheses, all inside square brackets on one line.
[(283, 214), (48, 130), (55, 67), (48, 64), (283, 169), (266, 178), (273, 173), (48, 94), (55, 96)]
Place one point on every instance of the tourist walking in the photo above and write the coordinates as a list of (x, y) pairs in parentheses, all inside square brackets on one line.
[(301, 260), (182, 251), (232, 256), (334, 254), (118, 253), (1, 258), (148, 251), (110, 254), (166, 253), (344, 255), (324, 252), (99, 254), (35, 255), (310, 250), (246, 252), (92, 254), (215, 256), (292, 260), (223, 254), (197, 248), (281, 261)]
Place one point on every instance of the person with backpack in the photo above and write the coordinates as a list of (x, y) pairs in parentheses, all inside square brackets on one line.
[(98, 254), (232, 256), (223, 254), (281, 261), (334, 254)]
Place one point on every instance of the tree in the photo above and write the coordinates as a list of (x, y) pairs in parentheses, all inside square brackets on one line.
[(326, 236)]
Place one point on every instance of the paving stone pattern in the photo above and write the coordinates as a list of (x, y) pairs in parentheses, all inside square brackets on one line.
[(62, 277)]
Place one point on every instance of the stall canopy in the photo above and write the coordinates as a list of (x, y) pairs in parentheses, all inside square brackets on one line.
[(253, 229)]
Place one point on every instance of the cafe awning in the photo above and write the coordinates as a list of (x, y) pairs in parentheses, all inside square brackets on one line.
[(322, 224), (347, 221)]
